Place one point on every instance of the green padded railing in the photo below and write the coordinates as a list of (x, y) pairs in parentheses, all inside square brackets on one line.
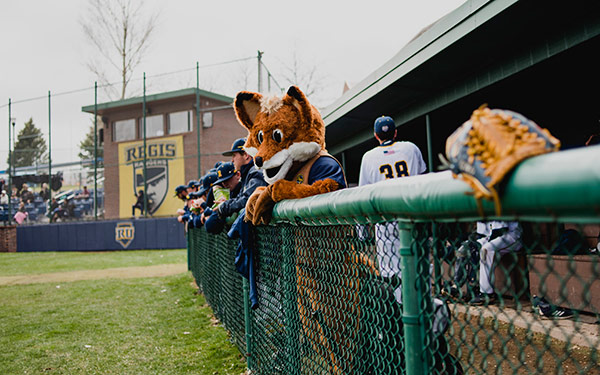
[(332, 299)]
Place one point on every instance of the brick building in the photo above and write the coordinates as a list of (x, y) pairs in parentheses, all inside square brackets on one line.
[(171, 144)]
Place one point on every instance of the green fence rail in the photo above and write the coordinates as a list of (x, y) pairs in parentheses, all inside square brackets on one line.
[(387, 278)]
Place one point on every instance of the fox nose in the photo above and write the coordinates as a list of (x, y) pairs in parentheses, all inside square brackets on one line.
[(258, 161)]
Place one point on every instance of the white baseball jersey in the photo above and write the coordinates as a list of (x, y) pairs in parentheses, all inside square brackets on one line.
[(391, 160), (387, 161)]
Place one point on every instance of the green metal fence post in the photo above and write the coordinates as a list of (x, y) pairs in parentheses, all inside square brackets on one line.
[(145, 153), (49, 148), (198, 119), (247, 317), (412, 301), (289, 283), (188, 237), (10, 162), (96, 150)]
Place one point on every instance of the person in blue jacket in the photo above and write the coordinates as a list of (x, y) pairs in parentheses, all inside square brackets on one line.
[(250, 179)]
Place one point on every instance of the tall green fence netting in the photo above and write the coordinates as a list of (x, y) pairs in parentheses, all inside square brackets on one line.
[(407, 279)]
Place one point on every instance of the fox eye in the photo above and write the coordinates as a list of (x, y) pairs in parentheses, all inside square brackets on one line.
[(277, 135), (260, 137)]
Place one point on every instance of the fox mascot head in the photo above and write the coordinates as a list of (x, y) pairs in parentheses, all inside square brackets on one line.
[(281, 131), (284, 134)]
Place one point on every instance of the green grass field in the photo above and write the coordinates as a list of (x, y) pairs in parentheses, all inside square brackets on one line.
[(12, 264), (152, 325)]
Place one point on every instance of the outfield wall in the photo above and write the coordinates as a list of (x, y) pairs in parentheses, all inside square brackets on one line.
[(164, 233)]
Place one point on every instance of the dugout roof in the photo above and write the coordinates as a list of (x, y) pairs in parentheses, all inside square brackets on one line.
[(156, 97), (539, 59)]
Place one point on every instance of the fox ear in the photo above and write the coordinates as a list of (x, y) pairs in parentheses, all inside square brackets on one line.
[(300, 101), (247, 105)]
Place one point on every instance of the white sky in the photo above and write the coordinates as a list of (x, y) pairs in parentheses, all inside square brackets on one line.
[(43, 48)]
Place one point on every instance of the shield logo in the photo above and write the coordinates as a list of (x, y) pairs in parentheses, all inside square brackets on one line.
[(124, 233), (158, 176)]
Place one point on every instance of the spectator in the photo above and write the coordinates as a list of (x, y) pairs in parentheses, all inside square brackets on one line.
[(249, 177), (3, 197), (192, 186), (181, 193), (496, 237), (202, 199), (52, 206), (2, 184), (45, 192), (15, 192), (64, 210), (84, 194), (139, 204), (20, 216), (391, 159), (26, 194)]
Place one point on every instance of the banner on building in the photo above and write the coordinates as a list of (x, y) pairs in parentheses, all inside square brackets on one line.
[(164, 171)]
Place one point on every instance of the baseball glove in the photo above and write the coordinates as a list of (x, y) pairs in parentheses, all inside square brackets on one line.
[(488, 146)]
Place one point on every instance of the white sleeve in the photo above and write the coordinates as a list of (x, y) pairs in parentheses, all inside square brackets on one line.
[(363, 178), (422, 165)]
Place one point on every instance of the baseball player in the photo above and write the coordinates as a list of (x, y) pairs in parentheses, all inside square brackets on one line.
[(497, 237), (391, 159)]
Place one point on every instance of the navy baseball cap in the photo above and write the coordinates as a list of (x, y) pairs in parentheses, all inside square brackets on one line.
[(384, 126), (180, 189), (238, 146), (193, 183), (217, 165), (207, 182), (194, 194), (225, 171)]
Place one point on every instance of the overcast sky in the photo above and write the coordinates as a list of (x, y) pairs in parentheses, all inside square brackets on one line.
[(44, 49)]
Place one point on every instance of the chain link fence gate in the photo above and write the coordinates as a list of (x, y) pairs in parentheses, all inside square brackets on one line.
[(388, 278)]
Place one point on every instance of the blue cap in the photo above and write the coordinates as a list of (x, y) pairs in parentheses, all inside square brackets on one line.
[(384, 126), (195, 195), (217, 165), (193, 183), (180, 189), (225, 171), (238, 146), (207, 182)]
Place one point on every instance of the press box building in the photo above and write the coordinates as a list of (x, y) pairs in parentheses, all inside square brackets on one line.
[(171, 143)]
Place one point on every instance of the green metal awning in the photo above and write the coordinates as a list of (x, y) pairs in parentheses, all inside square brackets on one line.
[(477, 45)]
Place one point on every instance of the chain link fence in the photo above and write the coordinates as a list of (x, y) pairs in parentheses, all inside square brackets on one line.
[(365, 281)]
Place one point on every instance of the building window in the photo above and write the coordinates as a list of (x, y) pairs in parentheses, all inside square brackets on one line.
[(207, 119), (154, 126), (179, 122), (123, 130)]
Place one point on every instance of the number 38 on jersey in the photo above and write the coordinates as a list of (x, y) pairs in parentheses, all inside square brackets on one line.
[(400, 168)]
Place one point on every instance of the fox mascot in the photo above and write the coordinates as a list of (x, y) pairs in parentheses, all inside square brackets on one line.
[(286, 137)]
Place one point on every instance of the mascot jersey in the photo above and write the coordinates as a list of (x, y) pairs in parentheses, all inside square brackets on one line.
[(391, 160), (322, 166)]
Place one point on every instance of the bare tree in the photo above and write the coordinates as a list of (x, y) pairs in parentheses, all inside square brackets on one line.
[(247, 72), (120, 32), (307, 76)]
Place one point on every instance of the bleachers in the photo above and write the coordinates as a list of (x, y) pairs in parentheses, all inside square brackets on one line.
[(37, 210)]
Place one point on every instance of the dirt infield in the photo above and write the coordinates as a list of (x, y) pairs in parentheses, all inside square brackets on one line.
[(109, 273)]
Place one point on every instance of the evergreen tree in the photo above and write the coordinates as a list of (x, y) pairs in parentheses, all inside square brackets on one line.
[(30, 148), (86, 146), (86, 152)]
